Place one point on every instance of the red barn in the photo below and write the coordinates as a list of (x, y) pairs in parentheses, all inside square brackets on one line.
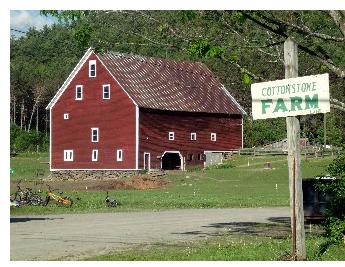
[(127, 112)]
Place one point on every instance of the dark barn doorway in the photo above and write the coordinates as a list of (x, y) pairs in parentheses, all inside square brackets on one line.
[(171, 161)]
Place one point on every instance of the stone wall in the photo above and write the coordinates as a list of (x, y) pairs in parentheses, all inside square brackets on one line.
[(90, 174)]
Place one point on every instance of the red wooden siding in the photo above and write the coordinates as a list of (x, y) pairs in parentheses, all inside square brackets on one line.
[(155, 126), (115, 119)]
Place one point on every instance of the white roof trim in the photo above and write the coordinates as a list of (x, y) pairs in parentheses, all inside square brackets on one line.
[(70, 78), (234, 100)]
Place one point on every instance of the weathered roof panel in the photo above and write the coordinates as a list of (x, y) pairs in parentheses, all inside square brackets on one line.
[(169, 84)]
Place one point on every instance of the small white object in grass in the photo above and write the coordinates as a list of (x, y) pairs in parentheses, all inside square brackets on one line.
[(276, 186), (187, 176), (194, 193)]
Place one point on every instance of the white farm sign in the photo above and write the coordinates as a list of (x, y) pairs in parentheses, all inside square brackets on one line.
[(291, 97)]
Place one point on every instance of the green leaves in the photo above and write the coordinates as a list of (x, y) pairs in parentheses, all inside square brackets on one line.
[(203, 49), (238, 16), (82, 35), (247, 80), (66, 15)]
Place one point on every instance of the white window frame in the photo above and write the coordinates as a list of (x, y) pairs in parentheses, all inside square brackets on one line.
[(193, 136), (171, 136), (66, 116), (91, 63), (68, 155), (119, 155), (81, 92), (105, 86), (94, 129), (94, 155), (213, 137)]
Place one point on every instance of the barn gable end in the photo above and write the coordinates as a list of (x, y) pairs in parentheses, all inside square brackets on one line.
[(104, 110)]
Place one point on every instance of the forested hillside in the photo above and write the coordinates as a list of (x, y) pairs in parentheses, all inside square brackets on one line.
[(239, 47)]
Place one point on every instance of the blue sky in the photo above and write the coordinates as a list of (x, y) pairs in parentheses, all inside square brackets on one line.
[(22, 20)]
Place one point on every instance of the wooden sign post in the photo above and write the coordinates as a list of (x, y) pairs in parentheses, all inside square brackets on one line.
[(291, 97), (294, 161)]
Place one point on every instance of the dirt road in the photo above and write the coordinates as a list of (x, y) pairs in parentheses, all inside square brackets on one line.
[(69, 237)]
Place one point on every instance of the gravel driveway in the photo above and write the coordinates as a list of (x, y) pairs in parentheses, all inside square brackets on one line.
[(69, 237)]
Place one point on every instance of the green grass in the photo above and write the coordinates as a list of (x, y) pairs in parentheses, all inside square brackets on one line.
[(238, 186), (225, 248), (30, 166)]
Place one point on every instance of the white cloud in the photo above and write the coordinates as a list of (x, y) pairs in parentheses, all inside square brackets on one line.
[(24, 19)]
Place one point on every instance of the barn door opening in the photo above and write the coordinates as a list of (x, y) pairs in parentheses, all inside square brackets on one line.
[(171, 161)]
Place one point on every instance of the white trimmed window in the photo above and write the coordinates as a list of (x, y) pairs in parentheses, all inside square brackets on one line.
[(94, 134), (193, 136), (92, 68), (171, 135), (119, 155), (213, 137), (95, 155), (79, 92), (66, 116), (106, 91), (68, 155)]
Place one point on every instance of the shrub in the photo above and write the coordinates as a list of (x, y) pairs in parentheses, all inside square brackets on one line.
[(334, 224), (22, 141)]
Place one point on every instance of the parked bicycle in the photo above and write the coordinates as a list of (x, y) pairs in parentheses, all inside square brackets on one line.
[(60, 199), (26, 196)]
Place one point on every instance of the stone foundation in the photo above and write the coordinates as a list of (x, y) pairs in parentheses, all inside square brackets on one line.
[(91, 174)]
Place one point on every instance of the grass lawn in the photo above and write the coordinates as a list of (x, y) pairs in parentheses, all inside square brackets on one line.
[(228, 247), (237, 186)]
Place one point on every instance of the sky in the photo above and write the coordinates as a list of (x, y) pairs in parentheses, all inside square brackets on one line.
[(22, 20)]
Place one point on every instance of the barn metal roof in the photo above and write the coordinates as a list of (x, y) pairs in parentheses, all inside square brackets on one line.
[(166, 84)]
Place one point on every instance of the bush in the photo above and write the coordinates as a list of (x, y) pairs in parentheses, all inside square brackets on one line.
[(22, 141), (334, 224)]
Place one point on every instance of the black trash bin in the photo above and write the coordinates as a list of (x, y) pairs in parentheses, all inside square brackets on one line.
[(315, 203)]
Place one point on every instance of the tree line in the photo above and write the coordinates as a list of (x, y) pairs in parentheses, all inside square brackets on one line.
[(240, 47)]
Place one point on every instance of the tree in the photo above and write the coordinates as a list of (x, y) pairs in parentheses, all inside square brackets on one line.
[(240, 47), (40, 62)]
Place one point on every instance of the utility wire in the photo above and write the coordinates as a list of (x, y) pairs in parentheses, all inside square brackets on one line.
[(15, 30)]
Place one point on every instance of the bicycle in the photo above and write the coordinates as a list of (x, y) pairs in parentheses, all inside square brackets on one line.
[(60, 199), (26, 196)]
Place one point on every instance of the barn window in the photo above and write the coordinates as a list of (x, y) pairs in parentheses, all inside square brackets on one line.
[(68, 155), (94, 134), (66, 116), (119, 155), (193, 136), (106, 91), (171, 135), (190, 156), (94, 154), (79, 92), (92, 68), (213, 137)]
